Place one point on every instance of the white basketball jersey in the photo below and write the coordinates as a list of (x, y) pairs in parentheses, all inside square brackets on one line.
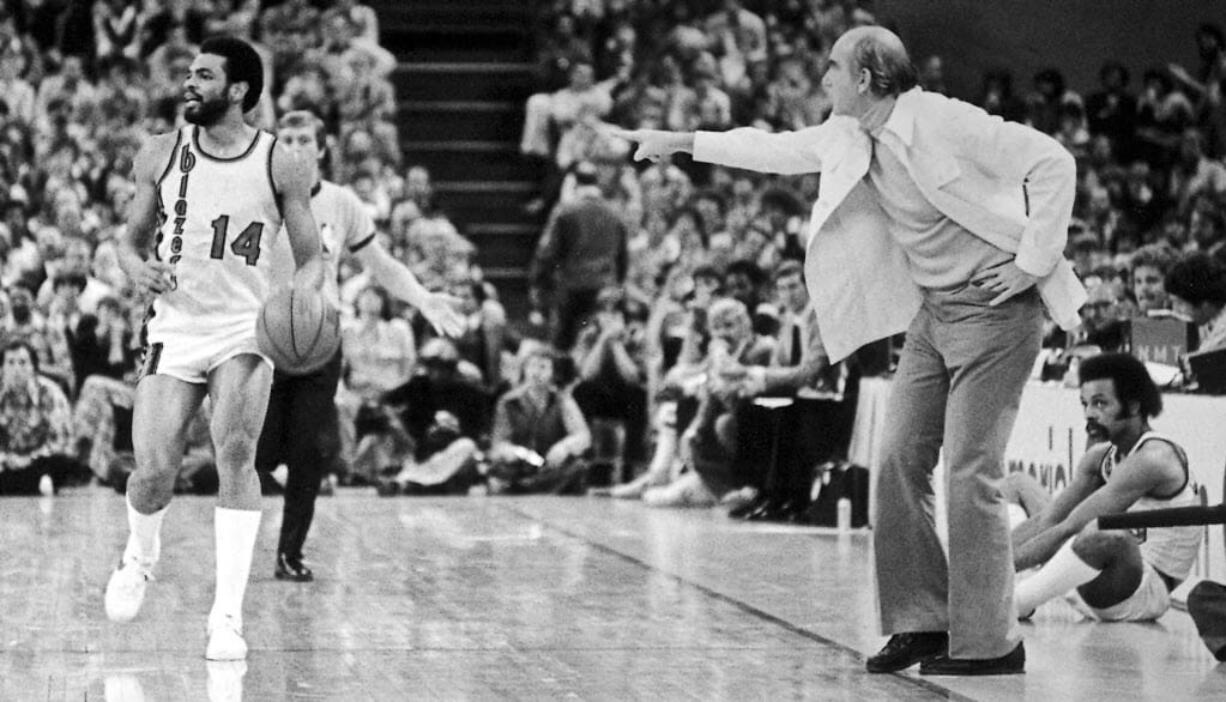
[(1172, 550), (219, 220), (344, 226)]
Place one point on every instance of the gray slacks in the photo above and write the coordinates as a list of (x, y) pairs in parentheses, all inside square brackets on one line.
[(958, 386)]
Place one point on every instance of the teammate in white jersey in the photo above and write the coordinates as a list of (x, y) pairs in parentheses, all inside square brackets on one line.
[(1117, 575), (212, 197), (300, 428)]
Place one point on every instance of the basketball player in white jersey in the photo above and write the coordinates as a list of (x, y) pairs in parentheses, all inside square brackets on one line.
[(1117, 575), (209, 205), (301, 425)]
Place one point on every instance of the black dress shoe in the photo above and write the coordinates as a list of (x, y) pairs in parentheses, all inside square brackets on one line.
[(292, 569), (748, 508), (388, 488), (1009, 664), (773, 511), (905, 650), (794, 512)]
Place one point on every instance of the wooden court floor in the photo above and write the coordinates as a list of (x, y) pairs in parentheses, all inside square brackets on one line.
[(514, 598)]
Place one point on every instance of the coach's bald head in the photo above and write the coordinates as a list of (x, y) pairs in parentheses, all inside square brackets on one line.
[(867, 64)]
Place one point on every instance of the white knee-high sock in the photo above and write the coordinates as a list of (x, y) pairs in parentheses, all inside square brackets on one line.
[(144, 540), (1062, 573), (236, 531), (1017, 514)]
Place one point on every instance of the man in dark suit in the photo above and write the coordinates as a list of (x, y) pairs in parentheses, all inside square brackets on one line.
[(582, 251)]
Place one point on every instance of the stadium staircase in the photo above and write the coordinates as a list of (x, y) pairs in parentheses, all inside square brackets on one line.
[(463, 77)]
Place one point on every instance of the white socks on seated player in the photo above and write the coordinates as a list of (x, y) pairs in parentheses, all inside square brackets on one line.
[(144, 541), (1062, 573), (235, 531)]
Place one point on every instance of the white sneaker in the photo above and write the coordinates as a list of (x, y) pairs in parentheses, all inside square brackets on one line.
[(687, 491), (225, 682), (123, 687), (125, 591), (225, 640)]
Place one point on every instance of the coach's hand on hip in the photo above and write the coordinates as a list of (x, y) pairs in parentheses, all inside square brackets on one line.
[(655, 143), (1007, 279)]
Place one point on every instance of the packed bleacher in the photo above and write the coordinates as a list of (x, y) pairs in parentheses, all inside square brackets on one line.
[(1147, 235), (668, 354)]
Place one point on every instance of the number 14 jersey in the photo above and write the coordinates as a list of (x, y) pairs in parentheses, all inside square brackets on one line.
[(219, 218)]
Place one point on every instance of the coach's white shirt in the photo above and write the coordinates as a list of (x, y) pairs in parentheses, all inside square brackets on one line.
[(1006, 183)]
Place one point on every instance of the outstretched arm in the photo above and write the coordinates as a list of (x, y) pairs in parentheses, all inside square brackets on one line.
[(440, 310), (1149, 469), (655, 144), (293, 175), (787, 153)]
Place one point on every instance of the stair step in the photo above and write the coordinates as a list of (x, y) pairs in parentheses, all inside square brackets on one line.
[(463, 78), (394, 15), (468, 81), (420, 120), (485, 201), (503, 229), (512, 286), (504, 253), (486, 186), (504, 272), (462, 160), (460, 43), (464, 67), (493, 106), (504, 244)]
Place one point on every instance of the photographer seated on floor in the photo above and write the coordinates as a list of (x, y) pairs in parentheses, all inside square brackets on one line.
[(445, 414)]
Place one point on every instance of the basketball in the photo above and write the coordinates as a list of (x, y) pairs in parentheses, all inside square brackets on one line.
[(298, 330)]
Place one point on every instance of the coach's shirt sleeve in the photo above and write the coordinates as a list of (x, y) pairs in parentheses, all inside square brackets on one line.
[(787, 153)]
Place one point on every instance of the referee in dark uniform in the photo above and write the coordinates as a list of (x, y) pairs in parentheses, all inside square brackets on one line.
[(300, 428)]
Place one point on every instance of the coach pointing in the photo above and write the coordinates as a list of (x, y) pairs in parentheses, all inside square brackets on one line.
[(936, 219)]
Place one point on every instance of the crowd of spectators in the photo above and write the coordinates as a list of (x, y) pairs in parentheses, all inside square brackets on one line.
[(83, 84), (675, 346), (1148, 235)]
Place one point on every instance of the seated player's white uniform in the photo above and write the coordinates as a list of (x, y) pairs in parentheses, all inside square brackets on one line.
[(1166, 551), (219, 218)]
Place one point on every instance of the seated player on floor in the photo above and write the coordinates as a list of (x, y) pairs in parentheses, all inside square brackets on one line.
[(1116, 575)]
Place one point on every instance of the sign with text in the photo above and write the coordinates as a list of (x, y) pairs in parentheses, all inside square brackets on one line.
[(1159, 340), (1049, 439)]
